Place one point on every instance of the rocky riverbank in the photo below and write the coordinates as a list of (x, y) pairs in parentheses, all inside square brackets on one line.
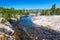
[(6, 32), (26, 29)]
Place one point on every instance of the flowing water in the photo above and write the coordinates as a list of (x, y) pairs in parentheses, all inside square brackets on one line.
[(30, 31)]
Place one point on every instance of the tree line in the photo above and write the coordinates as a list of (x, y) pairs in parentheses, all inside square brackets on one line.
[(11, 12), (52, 11)]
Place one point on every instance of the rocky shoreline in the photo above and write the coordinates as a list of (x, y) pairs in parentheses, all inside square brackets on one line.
[(27, 30)]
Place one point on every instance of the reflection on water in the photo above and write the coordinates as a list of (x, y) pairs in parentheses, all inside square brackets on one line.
[(29, 31), (26, 20)]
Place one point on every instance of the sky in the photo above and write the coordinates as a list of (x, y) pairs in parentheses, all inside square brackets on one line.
[(29, 4)]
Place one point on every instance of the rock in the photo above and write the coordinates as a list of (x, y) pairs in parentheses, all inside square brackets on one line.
[(6, 31)]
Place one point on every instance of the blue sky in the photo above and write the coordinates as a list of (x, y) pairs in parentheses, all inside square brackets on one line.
[(29, 4)]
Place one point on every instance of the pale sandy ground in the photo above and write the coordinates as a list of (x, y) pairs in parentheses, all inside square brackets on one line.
[(52, 22)]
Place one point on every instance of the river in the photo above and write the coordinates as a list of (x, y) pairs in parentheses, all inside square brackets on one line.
[(29, 30)]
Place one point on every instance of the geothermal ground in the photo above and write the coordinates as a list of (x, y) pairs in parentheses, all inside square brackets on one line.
[(51, 22)]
